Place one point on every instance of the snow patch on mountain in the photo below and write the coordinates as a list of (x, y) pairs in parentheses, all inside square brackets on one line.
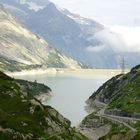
[(78, 19), (34, 6)]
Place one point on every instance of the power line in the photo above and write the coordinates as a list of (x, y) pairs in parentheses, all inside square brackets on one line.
[(122, 65)]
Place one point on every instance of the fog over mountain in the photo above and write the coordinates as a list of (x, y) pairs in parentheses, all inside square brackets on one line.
[(83, 39)]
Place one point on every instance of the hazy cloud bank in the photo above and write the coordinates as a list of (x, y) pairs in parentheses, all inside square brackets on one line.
[(119, 39)]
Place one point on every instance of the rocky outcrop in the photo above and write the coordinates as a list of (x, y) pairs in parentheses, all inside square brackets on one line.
[(120, 136), (95, 134)]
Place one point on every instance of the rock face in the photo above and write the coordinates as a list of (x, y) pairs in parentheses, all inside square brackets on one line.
[(116, 103), (20, 49), (61, 30), (23, 117), (72, 34)]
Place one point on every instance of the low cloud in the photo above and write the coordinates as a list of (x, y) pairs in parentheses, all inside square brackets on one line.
[(95, 48), (119, 39), (129, 36)]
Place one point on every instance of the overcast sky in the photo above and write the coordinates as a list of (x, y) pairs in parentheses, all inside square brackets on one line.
[(108, 12)]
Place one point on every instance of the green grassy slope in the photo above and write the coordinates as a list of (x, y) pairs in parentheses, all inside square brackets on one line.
[(24, 117), (121, 94)]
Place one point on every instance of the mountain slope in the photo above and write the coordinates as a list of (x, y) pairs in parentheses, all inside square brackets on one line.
[(72, 34), (69, 33), (24, 117), (117, 101), (22, 49), (64, 33), (121, 92)]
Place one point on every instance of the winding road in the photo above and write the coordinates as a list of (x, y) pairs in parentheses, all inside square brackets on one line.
[(117, 119)]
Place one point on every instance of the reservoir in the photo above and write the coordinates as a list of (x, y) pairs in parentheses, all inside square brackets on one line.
[(69, 92)]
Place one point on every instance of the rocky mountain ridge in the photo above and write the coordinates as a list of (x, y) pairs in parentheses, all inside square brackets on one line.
[(20, 49), (72, 34)]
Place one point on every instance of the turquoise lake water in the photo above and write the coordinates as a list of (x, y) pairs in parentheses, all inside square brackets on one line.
[(69, 92)]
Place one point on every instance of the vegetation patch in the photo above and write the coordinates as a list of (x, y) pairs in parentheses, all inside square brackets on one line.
[(24, 117)]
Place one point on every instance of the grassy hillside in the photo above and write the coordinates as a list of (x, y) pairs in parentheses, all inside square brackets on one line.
[(24, 117), (118, 101), (121, 92)]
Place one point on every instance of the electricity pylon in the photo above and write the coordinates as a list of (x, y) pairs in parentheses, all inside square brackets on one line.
[(122, 65)]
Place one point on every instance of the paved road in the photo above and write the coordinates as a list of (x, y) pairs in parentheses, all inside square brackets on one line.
[(117, 119)]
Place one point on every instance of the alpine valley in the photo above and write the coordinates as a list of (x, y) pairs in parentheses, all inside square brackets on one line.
[(39, 35)]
